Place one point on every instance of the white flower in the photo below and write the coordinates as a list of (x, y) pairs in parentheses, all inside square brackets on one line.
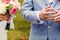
[(2, 8), (11, 2), (16, 4), (6, 5)]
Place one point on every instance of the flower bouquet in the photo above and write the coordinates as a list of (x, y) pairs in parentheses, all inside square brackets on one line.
[(7, 9)]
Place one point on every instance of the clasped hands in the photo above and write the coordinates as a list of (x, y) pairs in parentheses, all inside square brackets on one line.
[(45, 14)]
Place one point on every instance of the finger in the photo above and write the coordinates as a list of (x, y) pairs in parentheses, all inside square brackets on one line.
[(58, 14), (58, 20), (49, 18), (52, 9), (58, 17), (49, 12), (47, 7), (55, 10)]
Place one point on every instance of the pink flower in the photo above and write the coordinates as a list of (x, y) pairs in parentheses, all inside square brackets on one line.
[(13, 11), (17, 5), (7, 2)]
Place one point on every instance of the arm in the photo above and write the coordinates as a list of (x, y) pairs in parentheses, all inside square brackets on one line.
[(29, 13)]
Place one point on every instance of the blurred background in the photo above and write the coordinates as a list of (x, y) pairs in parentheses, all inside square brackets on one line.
[(22, 28)]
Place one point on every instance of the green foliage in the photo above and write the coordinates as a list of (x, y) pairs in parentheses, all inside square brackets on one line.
[(9, 7), (22, 28)]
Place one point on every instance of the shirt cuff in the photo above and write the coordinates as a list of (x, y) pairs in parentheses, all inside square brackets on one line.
[(41, 21)]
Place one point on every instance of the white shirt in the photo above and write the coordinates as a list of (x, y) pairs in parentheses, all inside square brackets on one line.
[(50, 1)]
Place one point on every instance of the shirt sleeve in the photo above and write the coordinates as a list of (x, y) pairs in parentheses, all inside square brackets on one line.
[(41, 21)]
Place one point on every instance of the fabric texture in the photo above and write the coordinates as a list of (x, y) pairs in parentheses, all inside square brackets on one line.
[(48, 29)]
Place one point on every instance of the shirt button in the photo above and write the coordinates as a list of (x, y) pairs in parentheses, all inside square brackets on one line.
[(49, 27)]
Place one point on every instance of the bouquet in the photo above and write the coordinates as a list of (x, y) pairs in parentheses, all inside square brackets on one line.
[(9, 8), (2, 9), (12, 7)]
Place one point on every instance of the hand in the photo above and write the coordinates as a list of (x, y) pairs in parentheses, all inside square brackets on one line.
[(44, 14), (1, 17), (7, 16), (57, 17)]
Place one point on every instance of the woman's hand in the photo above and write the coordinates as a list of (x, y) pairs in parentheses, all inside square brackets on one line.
[(1, 17), (7, 16)]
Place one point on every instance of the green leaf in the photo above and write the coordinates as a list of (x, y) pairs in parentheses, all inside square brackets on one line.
[(9, 7)]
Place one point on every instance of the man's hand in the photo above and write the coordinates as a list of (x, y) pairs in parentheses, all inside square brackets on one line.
[(57, 17), (44, 14)]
